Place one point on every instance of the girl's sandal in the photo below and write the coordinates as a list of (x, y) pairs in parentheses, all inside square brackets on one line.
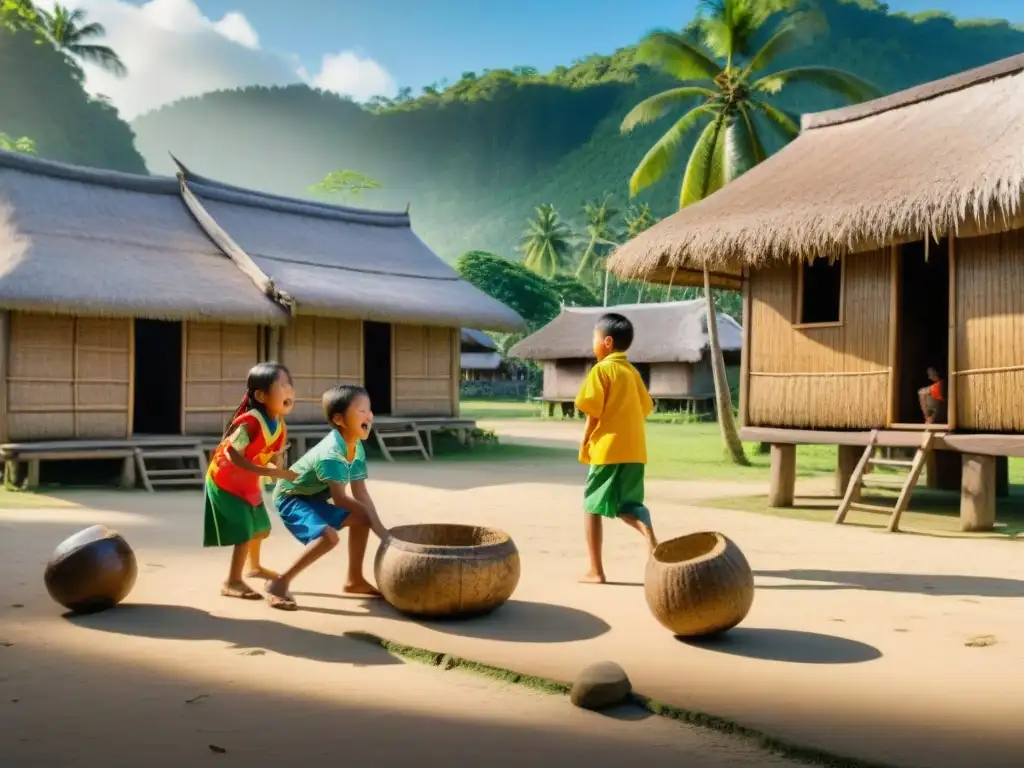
[(282, 603), (243, 593)]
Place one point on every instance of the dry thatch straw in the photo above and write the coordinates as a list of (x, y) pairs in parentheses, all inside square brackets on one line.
[(947, 156)]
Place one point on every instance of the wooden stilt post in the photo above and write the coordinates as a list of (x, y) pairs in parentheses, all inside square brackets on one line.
[(978, 493), (783, 478), (846, 463)]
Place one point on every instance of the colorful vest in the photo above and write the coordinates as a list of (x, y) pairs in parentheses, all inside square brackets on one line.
[(263, 445)]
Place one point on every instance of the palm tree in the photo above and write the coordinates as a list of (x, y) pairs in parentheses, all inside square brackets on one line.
[(638, 218), (547, 242), (69, 33), (601, 236), (726, 91), (22, 144), (345, 183)]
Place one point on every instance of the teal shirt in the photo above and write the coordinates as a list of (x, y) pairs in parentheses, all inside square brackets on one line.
[(324, 463)]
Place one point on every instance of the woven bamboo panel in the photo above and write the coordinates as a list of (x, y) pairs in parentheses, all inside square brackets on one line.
[(321, 353), (990, 332), (218, 357), (423, 371), (68, 377), (563, 378), (669, 380), (857, 346)]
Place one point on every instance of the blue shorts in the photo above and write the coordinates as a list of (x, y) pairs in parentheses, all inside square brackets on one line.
[(305, 517)]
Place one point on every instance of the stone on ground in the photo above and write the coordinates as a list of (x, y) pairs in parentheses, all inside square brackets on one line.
[(600, 685)]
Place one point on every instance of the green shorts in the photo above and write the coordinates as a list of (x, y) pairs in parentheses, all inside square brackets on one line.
[(231, 520), (616, 489)]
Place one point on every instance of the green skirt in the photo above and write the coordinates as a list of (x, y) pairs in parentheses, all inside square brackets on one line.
[(231, 520), (616, 489)]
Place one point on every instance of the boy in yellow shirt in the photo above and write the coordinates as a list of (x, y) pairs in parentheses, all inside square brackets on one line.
[(614, 443)]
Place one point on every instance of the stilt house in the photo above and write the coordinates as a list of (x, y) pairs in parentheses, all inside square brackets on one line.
[(132, 307), (887, 238)]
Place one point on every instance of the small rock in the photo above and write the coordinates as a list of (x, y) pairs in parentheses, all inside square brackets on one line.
[(600, 685)]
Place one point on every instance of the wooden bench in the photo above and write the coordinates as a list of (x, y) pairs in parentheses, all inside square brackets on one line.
[(133, 452)]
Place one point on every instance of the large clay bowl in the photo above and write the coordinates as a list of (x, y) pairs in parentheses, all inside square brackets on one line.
[(699, 585), (440, 570), (91, 571)]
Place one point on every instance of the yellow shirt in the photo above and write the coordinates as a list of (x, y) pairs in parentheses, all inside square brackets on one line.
[(615, 396)]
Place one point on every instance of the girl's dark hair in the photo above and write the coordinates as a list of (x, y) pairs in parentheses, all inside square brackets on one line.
[(337, 399), (260, 379)]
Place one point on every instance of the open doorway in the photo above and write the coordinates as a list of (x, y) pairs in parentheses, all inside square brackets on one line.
[(922, 316), (158, 374), (377, 366)]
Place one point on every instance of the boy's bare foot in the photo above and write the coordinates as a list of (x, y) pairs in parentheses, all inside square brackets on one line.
[(363, 588), (279, 597), (240, 590), (593, 577), (263, 573)]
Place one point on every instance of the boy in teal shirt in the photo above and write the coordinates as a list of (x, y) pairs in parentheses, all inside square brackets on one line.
[(328, 494)]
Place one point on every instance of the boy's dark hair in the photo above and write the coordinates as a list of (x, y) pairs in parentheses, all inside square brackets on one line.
[(337, 399), (618, 328), (260, 379)]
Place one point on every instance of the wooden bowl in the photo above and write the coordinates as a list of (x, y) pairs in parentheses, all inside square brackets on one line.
[(699, 585), (442, 570)]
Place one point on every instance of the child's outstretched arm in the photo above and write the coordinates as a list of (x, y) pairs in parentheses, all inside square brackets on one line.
[(352, 502)]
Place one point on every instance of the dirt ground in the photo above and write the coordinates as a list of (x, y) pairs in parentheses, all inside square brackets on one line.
[(891, 648)]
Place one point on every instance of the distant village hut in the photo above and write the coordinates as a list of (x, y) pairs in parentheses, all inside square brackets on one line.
[(886, 239), (670, 350), (480, 359), (132, 307)]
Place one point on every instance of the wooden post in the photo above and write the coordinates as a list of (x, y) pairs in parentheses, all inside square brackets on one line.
[(894, 315), (456, 370), (847, 458), (745, 354), (128, 475), (274, 344), (5, 348), (184, 375), (951, 363), (783, 478), (978, 493), (131, 381), (1002, 477)]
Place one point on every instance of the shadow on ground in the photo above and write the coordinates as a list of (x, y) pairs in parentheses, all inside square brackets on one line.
[(943, 585), (175, 622), (788, 645), (518, 621)]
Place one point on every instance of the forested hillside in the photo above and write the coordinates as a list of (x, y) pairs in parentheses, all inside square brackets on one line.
[(42, 98), (474, 158)]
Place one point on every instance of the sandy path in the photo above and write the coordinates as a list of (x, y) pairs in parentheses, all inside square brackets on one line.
[(155, 684), (856, 642)]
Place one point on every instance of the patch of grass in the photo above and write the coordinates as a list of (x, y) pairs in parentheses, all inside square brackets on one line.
[(931, 512), (787, 749), (499, 409), (12, 498)]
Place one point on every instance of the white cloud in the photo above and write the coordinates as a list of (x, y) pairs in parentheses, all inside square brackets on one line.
[(173, 51), (353, 75)]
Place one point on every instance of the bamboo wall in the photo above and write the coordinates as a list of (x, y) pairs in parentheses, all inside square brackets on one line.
[(563, 378), (217, 359), (990, 332), (320, 352), (826, 377), (67, 377), (425, 370)]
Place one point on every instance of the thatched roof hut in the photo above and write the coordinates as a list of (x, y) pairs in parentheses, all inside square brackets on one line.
[(669, 348), (133, 304), (944, 157), (885, 240)]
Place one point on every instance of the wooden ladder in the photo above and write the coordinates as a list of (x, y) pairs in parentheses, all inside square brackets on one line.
[(185, 466), (400, 432), (905, 487)]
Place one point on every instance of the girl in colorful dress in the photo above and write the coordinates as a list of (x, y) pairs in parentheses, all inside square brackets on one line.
[(235, 513)]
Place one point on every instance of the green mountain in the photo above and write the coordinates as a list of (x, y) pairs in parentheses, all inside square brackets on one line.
[(473, 159), (41, 97)]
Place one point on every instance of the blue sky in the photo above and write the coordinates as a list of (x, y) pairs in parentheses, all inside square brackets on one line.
[(420, 41)]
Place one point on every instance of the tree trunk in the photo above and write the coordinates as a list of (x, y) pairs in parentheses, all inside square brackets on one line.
[(605, 304), (723, 397)]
